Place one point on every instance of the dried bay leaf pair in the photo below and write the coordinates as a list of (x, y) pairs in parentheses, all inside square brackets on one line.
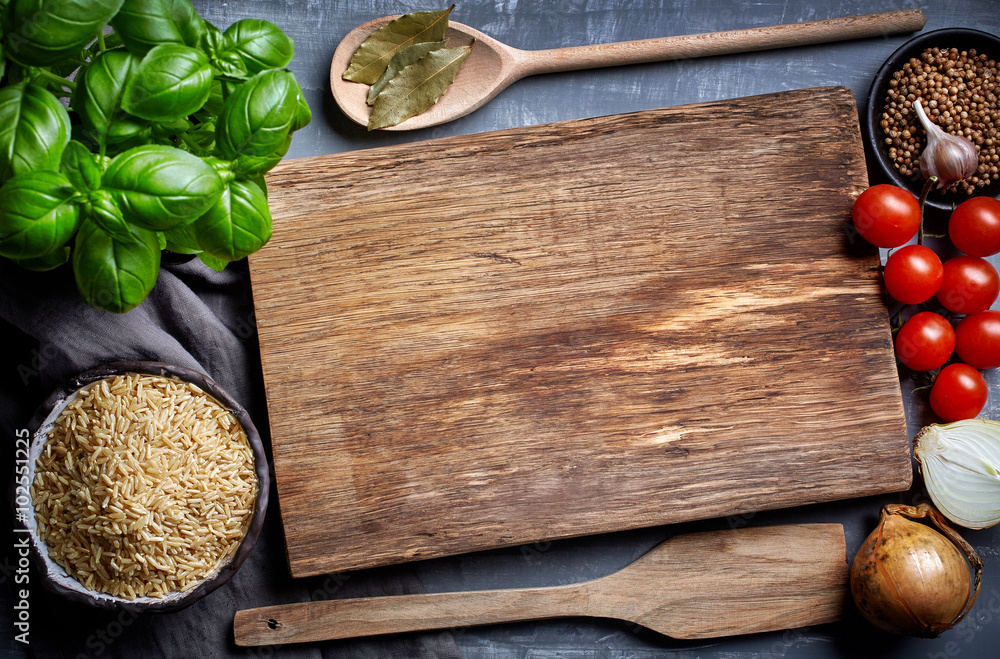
[(407, 65)]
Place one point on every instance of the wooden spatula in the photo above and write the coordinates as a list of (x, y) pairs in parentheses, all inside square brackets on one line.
[(700, 585)]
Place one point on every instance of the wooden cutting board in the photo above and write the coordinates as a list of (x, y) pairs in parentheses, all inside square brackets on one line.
[(574, 328)]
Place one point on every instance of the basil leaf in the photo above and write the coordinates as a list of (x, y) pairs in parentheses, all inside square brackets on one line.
[(256, 119), (144, 24), (401, 60), (200, 140), (182, 240), (372, 57), (303, 114), (103, 210), (112, 272), (34, 130), (215, 264), (223, 62), (246, 167), (237, 225), (171, 81), (37, 214), (98, 96), (159, 187), (80, 166), (50, 261), (417, 87), (47, 31), (259, 44)]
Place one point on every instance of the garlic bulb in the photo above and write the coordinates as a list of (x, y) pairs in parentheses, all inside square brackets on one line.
[(960, 463), (949, 157)]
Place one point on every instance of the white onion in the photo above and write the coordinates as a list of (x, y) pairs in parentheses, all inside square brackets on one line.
[(960, 463)]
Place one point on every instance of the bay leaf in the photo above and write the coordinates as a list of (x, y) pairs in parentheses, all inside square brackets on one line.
[(417, 87), (401, 60), (372, 57)]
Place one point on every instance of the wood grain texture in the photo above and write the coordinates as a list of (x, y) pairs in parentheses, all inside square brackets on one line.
[(701, 585), (492, 66), (573, 328)]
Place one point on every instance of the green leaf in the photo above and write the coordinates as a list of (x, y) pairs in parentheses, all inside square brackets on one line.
[(401, 60), (200, 140), (102, 209), (98, 96), (34, 130), (372, 57), (237, 225), (159, 187), (47, 31), (144, 24), (215, 264), (303, 114), (259, 44), (417, 87), (182, 239), (224, 63), (80, 166), (37, 214), (115, 273), (256, 119), (49, 261), (246, 167), (171, 81)]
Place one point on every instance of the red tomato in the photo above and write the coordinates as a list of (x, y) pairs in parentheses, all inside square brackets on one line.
[(959, 392), (974, 227), (977, 339), (886, 215), (925, 341), (913, 274), (970, 285)]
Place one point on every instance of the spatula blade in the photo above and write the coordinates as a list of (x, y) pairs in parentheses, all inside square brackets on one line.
[(722, 583)]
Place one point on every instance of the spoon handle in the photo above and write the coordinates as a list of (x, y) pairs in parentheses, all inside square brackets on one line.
[(721, 43), (369, 616)]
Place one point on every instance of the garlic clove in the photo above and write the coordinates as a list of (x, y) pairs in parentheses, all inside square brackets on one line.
[(949, 157), (960, 463)]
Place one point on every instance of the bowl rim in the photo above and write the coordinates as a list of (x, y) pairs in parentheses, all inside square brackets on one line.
[(54, 577), (876, 91)]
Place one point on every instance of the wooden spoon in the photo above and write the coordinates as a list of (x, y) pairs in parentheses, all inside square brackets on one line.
[(700, 585), (492, 66)]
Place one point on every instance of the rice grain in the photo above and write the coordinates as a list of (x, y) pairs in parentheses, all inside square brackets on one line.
[(146, 486)]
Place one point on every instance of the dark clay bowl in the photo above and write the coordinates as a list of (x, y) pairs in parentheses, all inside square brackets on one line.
[(55, 577), (878, 154)]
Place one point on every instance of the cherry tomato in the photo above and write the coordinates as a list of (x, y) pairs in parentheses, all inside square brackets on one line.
[(913, 274), (959, 392), (974, 227), (977, 339), (925, 341), (886, 215), (970, 285)]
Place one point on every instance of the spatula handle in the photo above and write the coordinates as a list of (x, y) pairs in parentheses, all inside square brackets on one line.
[(369, 616), (722, 43)]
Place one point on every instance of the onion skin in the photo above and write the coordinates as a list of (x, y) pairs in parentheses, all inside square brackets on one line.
[(909, 579)]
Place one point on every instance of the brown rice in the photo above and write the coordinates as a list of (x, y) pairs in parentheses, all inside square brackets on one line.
[(145, 486)]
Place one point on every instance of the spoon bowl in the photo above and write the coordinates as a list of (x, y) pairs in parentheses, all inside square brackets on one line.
[(492, 66), (480, 79)]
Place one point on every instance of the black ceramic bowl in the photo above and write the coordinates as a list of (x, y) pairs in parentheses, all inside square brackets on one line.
[(878, 155), (55, 577)]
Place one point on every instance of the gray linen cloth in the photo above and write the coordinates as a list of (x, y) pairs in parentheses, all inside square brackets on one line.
[(204, 320)]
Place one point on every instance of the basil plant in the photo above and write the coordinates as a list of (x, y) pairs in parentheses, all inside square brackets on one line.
[(129, 127)]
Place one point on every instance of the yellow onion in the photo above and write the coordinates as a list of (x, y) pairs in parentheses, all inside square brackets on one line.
[(908, 578)]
